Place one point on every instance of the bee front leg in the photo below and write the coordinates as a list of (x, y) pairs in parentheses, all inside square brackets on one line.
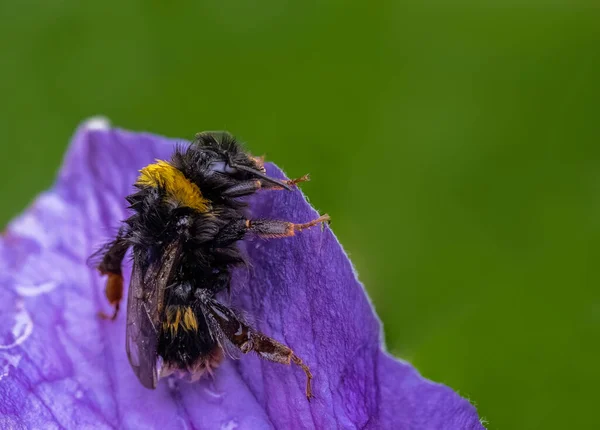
[(290, 182), (111, 266), (246, 188)]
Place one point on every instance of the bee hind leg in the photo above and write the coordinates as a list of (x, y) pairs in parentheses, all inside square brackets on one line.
[(248, 339), (269, 349)]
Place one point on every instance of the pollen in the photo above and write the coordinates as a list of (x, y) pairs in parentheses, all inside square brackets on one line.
[(175, 323), (189, 320), (173, 319), (163, 175)]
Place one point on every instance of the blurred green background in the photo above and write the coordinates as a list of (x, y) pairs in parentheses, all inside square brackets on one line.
[(456, 148)]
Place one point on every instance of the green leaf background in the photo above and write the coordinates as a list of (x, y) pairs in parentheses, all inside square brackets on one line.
[(455, 146)]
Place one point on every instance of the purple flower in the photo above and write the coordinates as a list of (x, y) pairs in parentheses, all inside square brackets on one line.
[(62, 367)]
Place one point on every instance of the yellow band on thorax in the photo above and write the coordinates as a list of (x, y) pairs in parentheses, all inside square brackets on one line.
[(177, 186)]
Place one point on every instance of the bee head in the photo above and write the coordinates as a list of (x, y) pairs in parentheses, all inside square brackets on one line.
[(228, 157)]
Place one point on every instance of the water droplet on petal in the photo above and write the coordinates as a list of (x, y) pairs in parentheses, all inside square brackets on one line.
[(97, 123), (230, 425), (212, 391), (8, 361), (172, 384), (35, 290), (15, 324)]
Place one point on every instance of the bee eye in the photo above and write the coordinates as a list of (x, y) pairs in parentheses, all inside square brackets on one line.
[(222, 167)]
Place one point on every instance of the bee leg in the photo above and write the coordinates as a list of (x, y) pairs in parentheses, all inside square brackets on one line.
[(114, 294), (276, 228), (111, 266), (246, 188), (271, 350), (290, 182), (248, 339), (266, 228)]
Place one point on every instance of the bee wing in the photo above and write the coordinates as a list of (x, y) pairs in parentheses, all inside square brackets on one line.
[(144, 307), (94, 260), (214, 315)]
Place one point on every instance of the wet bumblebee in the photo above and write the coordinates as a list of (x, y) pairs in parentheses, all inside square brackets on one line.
[(185, 223)]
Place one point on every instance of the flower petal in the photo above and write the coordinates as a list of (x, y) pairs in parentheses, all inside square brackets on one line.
[(61, 366)]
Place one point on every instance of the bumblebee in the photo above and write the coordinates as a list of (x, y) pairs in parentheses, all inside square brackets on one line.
[(186, 221)]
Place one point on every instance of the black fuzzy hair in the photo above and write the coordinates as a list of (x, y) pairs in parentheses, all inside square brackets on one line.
[(209, 239)]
